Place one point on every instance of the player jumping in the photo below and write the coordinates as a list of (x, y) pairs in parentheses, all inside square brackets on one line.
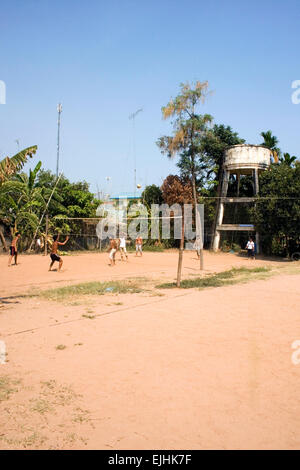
[(54, 257)]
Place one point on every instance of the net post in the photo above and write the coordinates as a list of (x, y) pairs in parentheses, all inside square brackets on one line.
[(46, 236), (180, 255)]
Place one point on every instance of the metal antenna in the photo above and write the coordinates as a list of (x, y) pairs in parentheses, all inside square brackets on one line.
[(59, 110), (132, 117)]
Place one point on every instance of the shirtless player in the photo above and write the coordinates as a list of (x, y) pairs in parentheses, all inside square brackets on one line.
[(14, 249), (113, 246), (139, 246), (54, 257)]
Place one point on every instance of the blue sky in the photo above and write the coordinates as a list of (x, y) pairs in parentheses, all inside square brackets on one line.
[(104, 60)]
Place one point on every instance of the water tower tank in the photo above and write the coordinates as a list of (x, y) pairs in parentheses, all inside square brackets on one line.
[(246, 158)]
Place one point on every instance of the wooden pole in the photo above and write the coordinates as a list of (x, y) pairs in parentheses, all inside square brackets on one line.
[(3, 240), (46, 235), (180, 255)]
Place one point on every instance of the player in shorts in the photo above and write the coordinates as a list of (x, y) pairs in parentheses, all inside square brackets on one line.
[(251, 249), (113, 246), (197, 246), (122, 247), (139, 246), (54, 256), (13, 249)]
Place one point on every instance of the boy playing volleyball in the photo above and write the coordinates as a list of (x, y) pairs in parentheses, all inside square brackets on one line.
[(123, 247), (139, 246), (54, 257), (113, 246), (14, 249)]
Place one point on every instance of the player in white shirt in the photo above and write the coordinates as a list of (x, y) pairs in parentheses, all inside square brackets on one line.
[(251, 248), (122, 247)]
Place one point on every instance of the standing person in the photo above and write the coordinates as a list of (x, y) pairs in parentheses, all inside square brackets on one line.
[(13, 249), (54, 257), (123, 247), (38, 245), (251, 248), (197, 247), (139, 246), (113, 246)]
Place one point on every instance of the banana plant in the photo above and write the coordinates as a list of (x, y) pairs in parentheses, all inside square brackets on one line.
[(9, 166)]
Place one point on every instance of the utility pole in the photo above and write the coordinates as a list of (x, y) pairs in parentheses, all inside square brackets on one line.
[(59, 110), (132, 118)]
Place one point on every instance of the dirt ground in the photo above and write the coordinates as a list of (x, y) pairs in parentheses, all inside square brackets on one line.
[(159, 369)]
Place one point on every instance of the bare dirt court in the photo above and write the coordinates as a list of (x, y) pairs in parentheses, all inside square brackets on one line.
[(158, 369)]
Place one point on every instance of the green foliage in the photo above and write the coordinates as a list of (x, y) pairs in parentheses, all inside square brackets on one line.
[(214, 144), (188, 130), (22, 202), (232, 276), (152, 195), (277, 211), (11, 165), (271, 142)]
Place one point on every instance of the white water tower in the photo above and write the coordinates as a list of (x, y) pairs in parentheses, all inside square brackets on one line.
[(240, 160)]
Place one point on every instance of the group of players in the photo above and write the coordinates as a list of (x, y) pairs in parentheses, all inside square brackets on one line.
[(119, 244), (115, 245)]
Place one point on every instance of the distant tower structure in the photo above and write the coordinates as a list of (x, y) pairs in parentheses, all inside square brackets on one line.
[(59, 110), (240, 160)]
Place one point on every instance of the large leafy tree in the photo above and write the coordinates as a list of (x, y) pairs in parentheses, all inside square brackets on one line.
[(188, 130), (151, 195), (277, 211), (214, 144)]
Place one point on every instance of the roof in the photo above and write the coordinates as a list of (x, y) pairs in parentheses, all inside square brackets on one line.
[(125, 196)]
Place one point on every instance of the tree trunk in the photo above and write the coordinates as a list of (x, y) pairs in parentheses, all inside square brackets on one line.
[(200, 222), (3, 240)]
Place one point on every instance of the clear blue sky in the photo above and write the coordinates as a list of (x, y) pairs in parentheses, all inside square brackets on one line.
[(104, 60)]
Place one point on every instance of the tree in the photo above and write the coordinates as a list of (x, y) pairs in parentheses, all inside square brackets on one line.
[(22, 201), (175, 190), (287, 159), (188, 128), (271, 142), (70, 199), (214, 144), (277, 211), (152, 195), (11, 165), (8, 167)]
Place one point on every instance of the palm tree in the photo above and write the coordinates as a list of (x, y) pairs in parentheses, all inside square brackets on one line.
[(271, 142), (288, 160)]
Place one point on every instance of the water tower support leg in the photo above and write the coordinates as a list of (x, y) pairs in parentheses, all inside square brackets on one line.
[(256, 191), (220, 216)]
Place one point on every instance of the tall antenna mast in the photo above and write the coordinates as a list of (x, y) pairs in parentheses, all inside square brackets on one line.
[(59, 110), (132, 118)]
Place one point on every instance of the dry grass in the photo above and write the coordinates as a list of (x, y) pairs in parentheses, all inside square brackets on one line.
[(232, 276), (66, 293)]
